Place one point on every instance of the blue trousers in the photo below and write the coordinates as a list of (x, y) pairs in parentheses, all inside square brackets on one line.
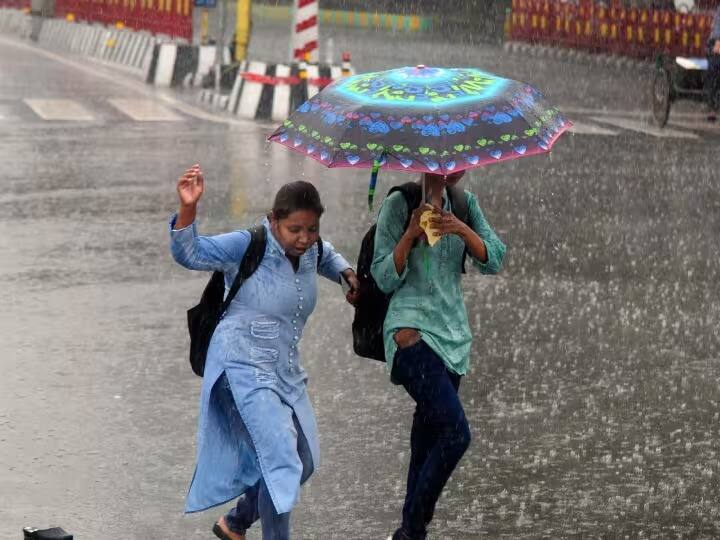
[(440, 432), (712, 82), (256, 502)]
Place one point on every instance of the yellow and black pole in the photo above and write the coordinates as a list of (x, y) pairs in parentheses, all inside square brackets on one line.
[(242, 29)]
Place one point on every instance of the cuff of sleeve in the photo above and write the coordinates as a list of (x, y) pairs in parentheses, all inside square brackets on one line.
[(484, 267), (337, 266), (173, 230), (387, 276)]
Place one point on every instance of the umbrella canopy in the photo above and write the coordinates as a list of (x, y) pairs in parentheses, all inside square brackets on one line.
[(422, 119)]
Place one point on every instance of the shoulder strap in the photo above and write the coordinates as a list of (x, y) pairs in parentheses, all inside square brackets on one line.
[(412, 193), (251, 260), (458, 201)]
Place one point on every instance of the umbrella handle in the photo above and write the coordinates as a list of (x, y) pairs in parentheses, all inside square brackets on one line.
[(377, 162)]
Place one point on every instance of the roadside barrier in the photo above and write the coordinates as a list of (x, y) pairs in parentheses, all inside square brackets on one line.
[(177, 64), (15, 21), (169, 17), (634, 32), (264, 91), (126, 48)]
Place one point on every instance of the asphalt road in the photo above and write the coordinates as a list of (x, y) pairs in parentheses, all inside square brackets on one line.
[(594, 392)]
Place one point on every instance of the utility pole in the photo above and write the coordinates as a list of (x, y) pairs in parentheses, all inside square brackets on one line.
[(220, 44), (304, 40), (243, 28)]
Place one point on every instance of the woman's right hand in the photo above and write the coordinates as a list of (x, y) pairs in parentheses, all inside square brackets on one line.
[(414, 229), (190, 186)]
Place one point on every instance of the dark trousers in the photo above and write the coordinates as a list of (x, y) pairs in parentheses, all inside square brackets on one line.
[(440, 433), (712, 82)]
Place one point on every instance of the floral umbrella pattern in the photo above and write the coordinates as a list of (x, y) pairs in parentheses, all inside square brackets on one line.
[(422, 119)]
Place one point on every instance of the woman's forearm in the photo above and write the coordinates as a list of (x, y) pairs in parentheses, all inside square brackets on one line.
[(186, 216), (402, 252), (475, 244)]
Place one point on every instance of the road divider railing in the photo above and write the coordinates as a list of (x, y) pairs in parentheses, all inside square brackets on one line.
[(595, 27), (160, 60), (119, 46)]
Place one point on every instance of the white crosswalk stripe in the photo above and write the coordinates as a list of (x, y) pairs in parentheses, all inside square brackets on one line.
[(59, 109), (644, 127), (145, 110), (591, 122), (584, 128)]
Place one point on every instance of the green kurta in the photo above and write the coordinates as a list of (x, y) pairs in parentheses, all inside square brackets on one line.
[(430, 299)]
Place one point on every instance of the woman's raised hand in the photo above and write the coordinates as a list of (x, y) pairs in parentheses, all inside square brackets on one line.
[(190, 186)]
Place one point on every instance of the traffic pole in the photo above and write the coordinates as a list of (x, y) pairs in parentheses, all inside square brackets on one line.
[(243, 28), (305, 38)]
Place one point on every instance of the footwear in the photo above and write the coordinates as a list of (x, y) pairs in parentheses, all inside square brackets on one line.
[(222, 535), (400, 535)]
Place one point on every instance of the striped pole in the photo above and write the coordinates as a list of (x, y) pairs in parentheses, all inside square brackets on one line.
[(305, 39)]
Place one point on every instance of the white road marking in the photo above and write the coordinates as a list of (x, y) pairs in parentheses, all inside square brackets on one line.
[(582, 128), (615, 113), (137, 86), (601, 112), (643, 127), (144, 110), (59, 109)]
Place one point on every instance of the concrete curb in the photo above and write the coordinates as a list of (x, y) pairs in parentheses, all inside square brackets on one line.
[(576, 56)]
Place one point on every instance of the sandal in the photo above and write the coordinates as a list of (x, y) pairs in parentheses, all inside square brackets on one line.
[(222, 535)]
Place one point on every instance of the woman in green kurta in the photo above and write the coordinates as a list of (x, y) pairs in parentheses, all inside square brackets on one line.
[(427, 335)]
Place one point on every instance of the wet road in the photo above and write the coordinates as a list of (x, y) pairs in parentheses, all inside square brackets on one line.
[(594, 393)]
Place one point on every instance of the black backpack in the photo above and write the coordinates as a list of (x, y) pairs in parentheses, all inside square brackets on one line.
[(367, 326), (203, 318)]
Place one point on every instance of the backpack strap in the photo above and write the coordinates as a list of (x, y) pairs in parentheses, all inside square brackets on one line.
[(250, 262), (412, 193), (458, 202), (320, 251)]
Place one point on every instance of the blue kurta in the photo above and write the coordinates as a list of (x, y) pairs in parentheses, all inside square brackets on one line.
[(256, 346)]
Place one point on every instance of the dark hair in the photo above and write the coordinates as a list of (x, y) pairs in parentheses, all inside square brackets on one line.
[(297, 196)]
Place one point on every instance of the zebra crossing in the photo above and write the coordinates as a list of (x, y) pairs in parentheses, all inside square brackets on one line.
[(73, 111), (687, 127), (586, 123)]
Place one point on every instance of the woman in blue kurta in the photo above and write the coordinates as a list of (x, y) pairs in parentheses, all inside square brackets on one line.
[(257, 436)]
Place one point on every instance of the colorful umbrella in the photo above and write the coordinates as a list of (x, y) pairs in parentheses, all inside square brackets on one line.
[(422, 119)]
